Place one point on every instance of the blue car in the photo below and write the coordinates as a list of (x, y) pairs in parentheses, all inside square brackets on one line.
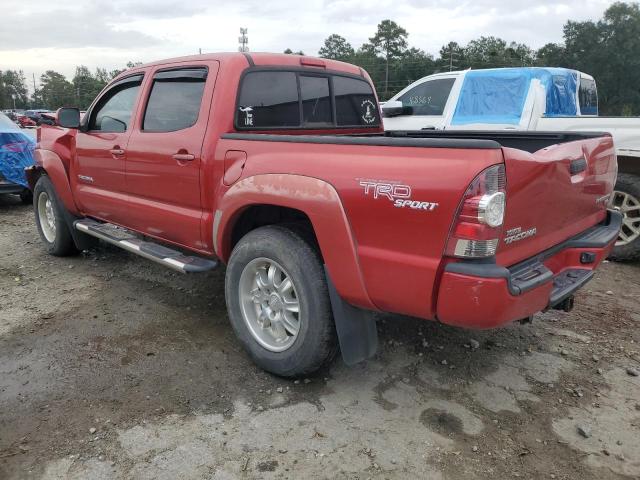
[(16, 153)]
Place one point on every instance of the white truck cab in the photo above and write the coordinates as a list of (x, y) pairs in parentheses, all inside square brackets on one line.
[(531, 99)]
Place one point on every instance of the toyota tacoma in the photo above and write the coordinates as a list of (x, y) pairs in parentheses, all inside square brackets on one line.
[(278, 167)]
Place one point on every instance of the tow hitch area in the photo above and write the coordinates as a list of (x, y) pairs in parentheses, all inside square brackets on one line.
[(128, 240), (566, 304), (565, 284)]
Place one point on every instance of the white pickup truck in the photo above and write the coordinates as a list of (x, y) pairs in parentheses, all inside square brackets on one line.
[(542, 99)]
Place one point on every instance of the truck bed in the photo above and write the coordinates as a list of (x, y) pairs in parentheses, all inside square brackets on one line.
[(477, 139), (529, 141)]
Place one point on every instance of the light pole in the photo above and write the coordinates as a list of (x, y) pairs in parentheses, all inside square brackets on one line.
[(243, 40)]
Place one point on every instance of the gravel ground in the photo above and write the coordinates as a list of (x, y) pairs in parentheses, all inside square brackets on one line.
[(113, 367)]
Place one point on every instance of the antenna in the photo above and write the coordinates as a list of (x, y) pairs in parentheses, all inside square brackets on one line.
[(243, 40)]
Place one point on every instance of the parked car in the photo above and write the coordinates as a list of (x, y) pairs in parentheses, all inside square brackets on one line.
[(40, 116), (278, 166), (13, 113), (25, 122), (16, 153), (538, 99)]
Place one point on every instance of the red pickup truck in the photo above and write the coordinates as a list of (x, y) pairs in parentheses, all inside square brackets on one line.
[(278, 167)]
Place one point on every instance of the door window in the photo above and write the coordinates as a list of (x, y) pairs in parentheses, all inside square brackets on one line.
[(175, 99), (113, 111), (428, 98)]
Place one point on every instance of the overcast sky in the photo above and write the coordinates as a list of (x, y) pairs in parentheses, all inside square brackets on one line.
[(37, 35)]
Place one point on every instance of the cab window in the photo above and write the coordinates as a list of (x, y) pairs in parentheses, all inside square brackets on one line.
[(113, 111), (298, 99), (428, 98), (316, 101), (355, 102), (174, 102), (269, 99)]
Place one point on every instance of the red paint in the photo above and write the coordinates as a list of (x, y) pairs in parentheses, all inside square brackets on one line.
[(234, 161), (473, 302), (379, 256)]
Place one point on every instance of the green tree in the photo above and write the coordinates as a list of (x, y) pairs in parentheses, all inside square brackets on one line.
[(55, 91), (390, 41), (552, 55), (486, 52), (452, 57), (288, 51), (608, 49), (13, 89), (336, 48), (86, 86)]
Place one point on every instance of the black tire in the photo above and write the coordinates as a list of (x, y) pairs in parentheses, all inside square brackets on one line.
[(629, 184), (26, 196), (315, 344), (60, 243)]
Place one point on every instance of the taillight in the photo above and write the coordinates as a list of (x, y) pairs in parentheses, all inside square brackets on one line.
[(478, 224)]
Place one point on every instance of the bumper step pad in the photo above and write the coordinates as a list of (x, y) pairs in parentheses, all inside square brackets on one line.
[(566, 283), (129, 241)]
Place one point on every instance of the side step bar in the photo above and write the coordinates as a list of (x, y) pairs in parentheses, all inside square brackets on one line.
[(127, 240)]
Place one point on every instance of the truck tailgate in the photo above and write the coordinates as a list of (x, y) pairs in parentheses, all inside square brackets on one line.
[(553, 194)]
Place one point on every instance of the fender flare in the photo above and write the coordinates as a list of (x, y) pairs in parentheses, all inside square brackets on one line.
[(320, 201), (50, 163)]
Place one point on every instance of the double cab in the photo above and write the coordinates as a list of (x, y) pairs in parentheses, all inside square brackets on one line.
[(278, 167)]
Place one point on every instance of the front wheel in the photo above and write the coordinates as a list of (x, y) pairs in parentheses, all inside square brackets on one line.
[(52, 227), (278, 302), (626, 200)]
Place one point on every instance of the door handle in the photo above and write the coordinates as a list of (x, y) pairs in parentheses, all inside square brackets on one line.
[(116, 152), (183, 157)]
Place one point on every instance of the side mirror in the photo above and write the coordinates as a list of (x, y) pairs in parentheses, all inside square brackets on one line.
[(393, 109), (68, 117)]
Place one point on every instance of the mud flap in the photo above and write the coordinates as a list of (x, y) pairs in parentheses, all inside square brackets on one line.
[(357, 331), (82, 241)]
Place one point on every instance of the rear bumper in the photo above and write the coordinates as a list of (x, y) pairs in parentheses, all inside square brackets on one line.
[(486, 295)]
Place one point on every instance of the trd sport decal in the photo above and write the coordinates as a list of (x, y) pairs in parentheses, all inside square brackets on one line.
[(397, 193)]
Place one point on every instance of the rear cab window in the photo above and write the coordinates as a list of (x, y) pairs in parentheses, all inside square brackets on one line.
[(280, 99)]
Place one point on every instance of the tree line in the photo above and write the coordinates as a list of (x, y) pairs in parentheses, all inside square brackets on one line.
[(608, 49), (54, 89)]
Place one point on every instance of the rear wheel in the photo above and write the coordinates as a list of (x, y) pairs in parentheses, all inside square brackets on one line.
[(626, 200), (50, 221), (278, 302)]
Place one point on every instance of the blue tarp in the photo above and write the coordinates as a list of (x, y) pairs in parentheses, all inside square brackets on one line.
[(16, 152), (498, 96)]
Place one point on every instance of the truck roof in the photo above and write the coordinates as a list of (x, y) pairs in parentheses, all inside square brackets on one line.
[(462, 72), (259, 59)]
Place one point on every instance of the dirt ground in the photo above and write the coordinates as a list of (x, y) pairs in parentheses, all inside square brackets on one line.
[(114, 367)]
